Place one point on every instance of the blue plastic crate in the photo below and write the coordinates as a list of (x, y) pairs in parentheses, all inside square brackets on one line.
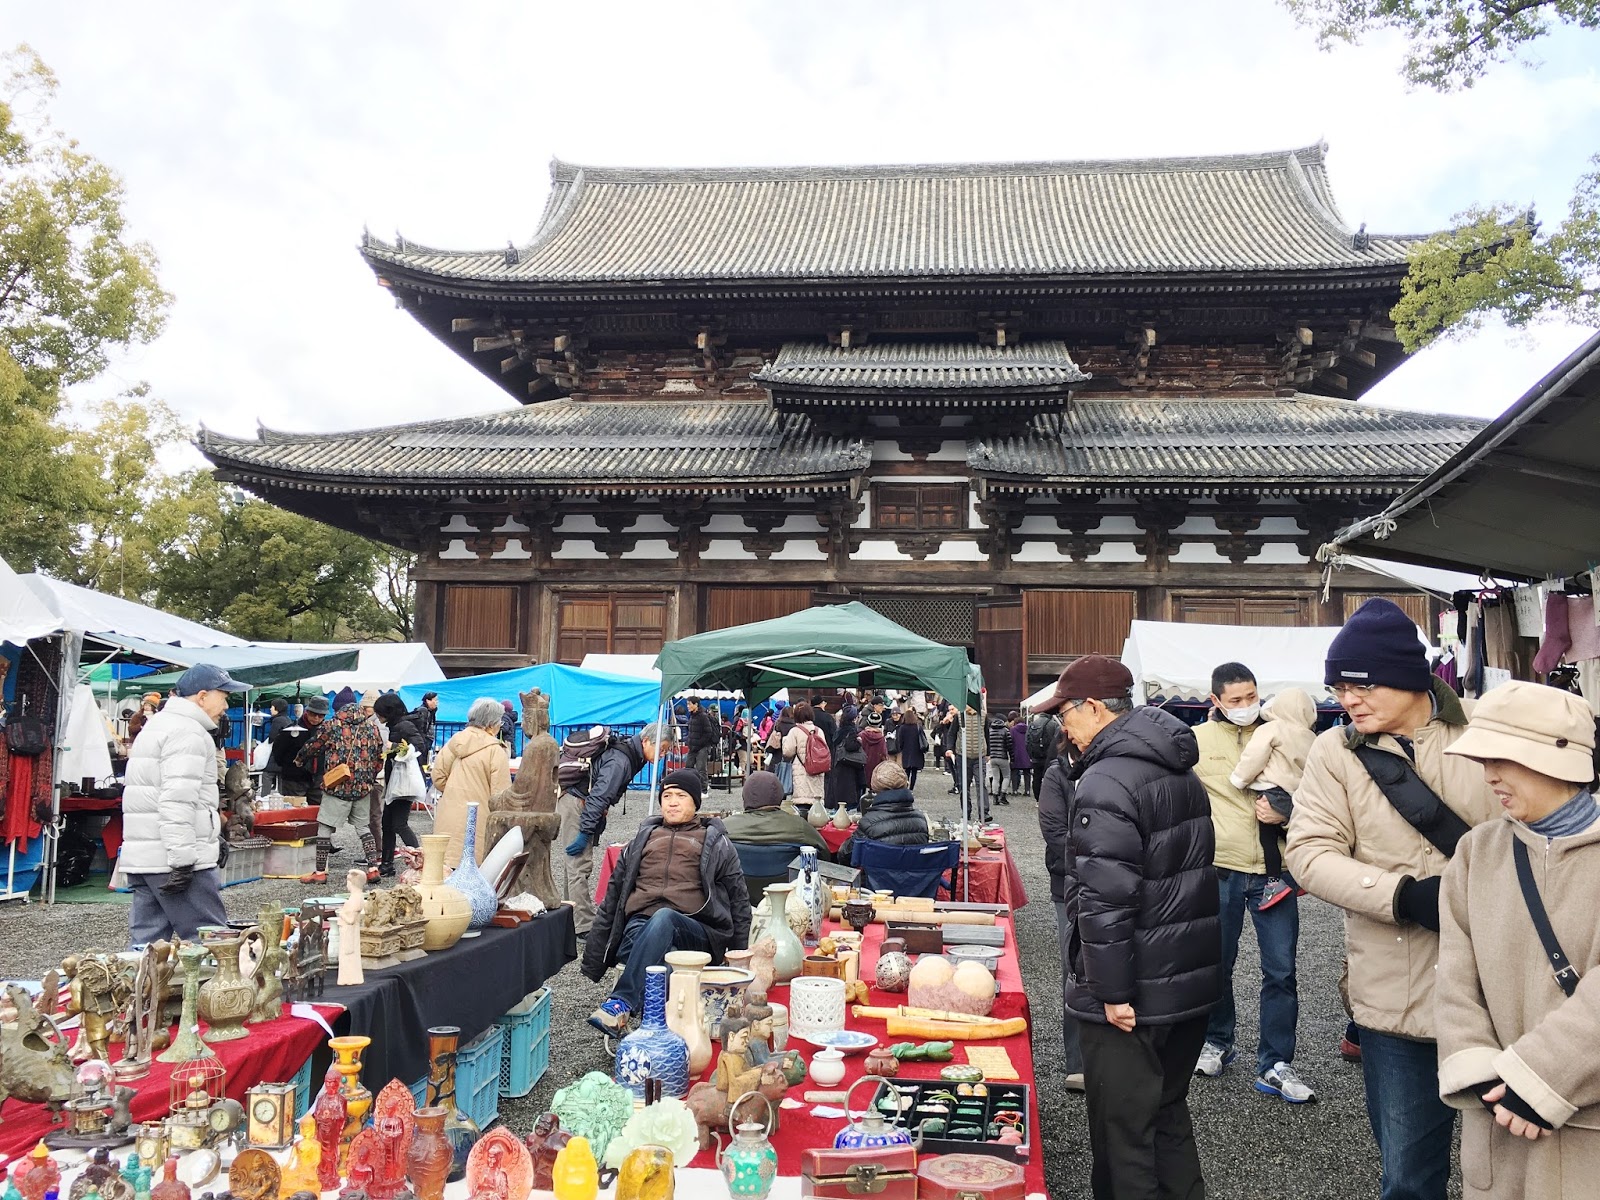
[(477, 1078), (527, 1044), (302, 1090)]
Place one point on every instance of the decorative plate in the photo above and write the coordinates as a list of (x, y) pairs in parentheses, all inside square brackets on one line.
[(846, 1041)]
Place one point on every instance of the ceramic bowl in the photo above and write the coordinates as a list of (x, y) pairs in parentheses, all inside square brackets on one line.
[(846, 1041), (989, 956)]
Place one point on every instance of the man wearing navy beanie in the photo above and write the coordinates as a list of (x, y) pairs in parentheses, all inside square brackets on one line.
[(1378, 852)]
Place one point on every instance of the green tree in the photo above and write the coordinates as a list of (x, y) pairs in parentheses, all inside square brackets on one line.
[(73, 287), (1496, 261)]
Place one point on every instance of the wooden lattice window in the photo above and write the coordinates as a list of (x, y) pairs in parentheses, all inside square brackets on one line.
[(919, 505)]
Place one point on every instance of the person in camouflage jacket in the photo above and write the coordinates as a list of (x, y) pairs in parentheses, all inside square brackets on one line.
[(349, 738)]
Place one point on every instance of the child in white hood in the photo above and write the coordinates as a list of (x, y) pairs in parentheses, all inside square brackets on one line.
[(1272, 764)]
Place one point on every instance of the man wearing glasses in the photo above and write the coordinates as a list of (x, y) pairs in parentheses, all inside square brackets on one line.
[(1375, 822)]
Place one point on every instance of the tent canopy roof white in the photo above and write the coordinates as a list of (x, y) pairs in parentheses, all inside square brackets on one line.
[(384, 666), (90, 611), (24, 615)]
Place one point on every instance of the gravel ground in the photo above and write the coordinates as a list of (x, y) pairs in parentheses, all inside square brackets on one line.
[(1253, 1147)]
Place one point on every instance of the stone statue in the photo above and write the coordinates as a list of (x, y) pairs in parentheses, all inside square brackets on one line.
[(239, 799), (350, 929), (530, 802), (269, 985)]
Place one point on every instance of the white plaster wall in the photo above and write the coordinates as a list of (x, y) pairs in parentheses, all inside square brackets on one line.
[(1280, 552), (801, 523), (652, 523), (1117, 552), (514, 550), (510, 525), (724, 548), (651, 548), (458, 524), (727, 523), (1198, 552), (576, 548), (959, 551), (949, 451), (800, 550), (1040, 552), (1199, 525), (456, 549), (874, 550), (578, 523)]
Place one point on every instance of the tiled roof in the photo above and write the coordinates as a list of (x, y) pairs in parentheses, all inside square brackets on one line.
[(1099, 444), (1245, 212), (922, 366), (1264, 441), (571, 442)]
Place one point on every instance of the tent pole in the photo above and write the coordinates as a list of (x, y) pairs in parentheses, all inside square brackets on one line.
[(655, 767), (966, 804)]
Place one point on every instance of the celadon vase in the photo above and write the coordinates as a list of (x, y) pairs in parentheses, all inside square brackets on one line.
[(791, 954), (469, 880), (685, 1014)]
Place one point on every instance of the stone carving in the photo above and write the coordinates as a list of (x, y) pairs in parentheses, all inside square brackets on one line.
[(350, 929), (34, 1067), (529, 804), (269, 985)]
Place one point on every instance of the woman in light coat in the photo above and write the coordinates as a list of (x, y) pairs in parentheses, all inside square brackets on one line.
[(472, 767), (1516, 1052), (808, 788)]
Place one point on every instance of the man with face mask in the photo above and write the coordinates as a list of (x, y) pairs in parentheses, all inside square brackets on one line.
[(1242, 883)]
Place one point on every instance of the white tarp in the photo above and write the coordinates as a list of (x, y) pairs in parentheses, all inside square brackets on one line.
[(635, 666), (82, 751), (90, 611), (1173, 661), (23, 614), (384, 666)]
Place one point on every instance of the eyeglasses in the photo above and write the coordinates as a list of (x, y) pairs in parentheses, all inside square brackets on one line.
[(1341, 690)]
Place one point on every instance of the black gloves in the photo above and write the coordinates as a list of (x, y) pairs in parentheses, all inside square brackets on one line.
[(178, 880), (1417, 900), (1512, 1103)]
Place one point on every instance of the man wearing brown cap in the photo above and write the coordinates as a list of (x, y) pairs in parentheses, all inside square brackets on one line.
[(1143, 962)]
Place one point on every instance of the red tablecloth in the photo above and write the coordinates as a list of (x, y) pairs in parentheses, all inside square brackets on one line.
[(271, 1054), (608, 864), (836, 837), (799, 1130)]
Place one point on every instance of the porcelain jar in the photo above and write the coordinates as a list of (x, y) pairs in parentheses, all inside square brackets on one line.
[(685, 1012), (816, 1005), (469, 880), (827, 1068), (791, 954), (653, 1051), (780, 1026), (814, 893), (749, 1164), (226, 999), (871, 1131), (447, 911), (893, 972), (720, 987)]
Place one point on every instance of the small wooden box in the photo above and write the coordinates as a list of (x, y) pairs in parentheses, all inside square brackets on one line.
[(888, 1172), (970, 1177)]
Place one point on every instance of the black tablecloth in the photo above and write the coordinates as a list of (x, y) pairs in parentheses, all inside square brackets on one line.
[(470, 985)]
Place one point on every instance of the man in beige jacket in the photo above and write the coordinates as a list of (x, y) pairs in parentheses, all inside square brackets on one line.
[(1350, 845)]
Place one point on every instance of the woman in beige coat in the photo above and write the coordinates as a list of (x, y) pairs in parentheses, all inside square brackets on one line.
[(472, 767), (1517, 1054), (808, 788)]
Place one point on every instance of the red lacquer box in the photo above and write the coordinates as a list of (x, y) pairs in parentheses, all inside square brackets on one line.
[(970, 1177), (889, 1173)]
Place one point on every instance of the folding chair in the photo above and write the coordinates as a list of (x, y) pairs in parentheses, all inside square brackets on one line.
[(908, 870), (764, 864)]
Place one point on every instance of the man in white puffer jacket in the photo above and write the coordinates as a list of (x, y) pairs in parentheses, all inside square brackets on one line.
[(169, 812)]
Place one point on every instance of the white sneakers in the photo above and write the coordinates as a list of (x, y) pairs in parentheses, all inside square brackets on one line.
[(1282, 1081), (1213, 1059)]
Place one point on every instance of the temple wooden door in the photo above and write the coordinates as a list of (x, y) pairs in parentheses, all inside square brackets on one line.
[(999, 650)]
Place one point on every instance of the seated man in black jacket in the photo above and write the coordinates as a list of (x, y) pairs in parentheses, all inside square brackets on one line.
[(892, 816), (1145, 945), (677, 886), (583, 814)]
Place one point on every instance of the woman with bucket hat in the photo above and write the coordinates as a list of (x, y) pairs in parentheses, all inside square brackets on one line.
[(1518, 1020)]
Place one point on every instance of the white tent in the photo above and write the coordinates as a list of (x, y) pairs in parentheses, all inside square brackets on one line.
[(24, 615), (384, 666), (1173, 661), (635, 666), (90, 611)]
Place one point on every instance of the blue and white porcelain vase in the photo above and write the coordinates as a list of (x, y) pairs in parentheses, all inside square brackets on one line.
[(814, 891), (653, 1051), (469, 881)]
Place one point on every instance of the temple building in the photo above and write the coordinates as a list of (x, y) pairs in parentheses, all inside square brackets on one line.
[(1011, 406)]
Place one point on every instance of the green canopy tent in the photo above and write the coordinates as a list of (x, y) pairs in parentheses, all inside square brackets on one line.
[(258, 666), (844, 645), (840, 645)]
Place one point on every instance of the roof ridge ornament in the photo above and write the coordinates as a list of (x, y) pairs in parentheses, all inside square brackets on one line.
[(512, 255), (1361, 239)]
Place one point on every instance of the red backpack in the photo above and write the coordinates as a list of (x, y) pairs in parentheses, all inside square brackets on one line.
[(818, 759)]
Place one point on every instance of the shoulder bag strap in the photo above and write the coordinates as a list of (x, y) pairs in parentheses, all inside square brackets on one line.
[(1566, 975), (1413, 799)]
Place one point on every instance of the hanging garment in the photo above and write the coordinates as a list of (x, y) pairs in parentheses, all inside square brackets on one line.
[(1585, 634), (1557, 637), (1589, 682), (18, 824)]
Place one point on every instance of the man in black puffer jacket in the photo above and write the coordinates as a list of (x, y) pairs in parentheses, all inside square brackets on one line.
[(892, 815), (1145, 944)]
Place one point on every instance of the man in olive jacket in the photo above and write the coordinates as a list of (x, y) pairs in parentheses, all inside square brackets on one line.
[(1350, 845), (1144, 947)]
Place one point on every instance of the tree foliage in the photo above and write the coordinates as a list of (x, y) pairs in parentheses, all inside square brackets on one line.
[(1449, 44), (1497, 261)]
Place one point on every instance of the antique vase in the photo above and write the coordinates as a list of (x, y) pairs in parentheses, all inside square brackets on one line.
[(347, 1052), (749, 1164), (227, 997), (469, 880), (814, 893), (429, 1159), (791, 954), (686, 1015), (460, 1130), (447, 911), (719, 988), (653, 1051)]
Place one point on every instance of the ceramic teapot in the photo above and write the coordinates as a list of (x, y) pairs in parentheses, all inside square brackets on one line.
[(749, 1163), (870, 1131)]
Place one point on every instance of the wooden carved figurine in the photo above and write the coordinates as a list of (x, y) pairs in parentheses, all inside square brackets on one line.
[(529, 804), (350, 972), (544, 1143)]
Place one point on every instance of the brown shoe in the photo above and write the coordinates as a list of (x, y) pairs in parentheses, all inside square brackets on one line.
[(315, 877)]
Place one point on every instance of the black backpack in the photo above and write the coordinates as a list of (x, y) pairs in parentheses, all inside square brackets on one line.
[(580, 752), (26, 735), (1042, 730)]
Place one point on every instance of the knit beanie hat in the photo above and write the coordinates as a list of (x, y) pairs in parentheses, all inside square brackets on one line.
[(1379, 645), (762, 790), (685, 780), (344, 699)]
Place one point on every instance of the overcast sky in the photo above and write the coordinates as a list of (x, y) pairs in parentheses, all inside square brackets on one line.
[(257, 140)]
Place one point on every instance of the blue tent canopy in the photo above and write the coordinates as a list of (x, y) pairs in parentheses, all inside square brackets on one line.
[(577, 697)]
